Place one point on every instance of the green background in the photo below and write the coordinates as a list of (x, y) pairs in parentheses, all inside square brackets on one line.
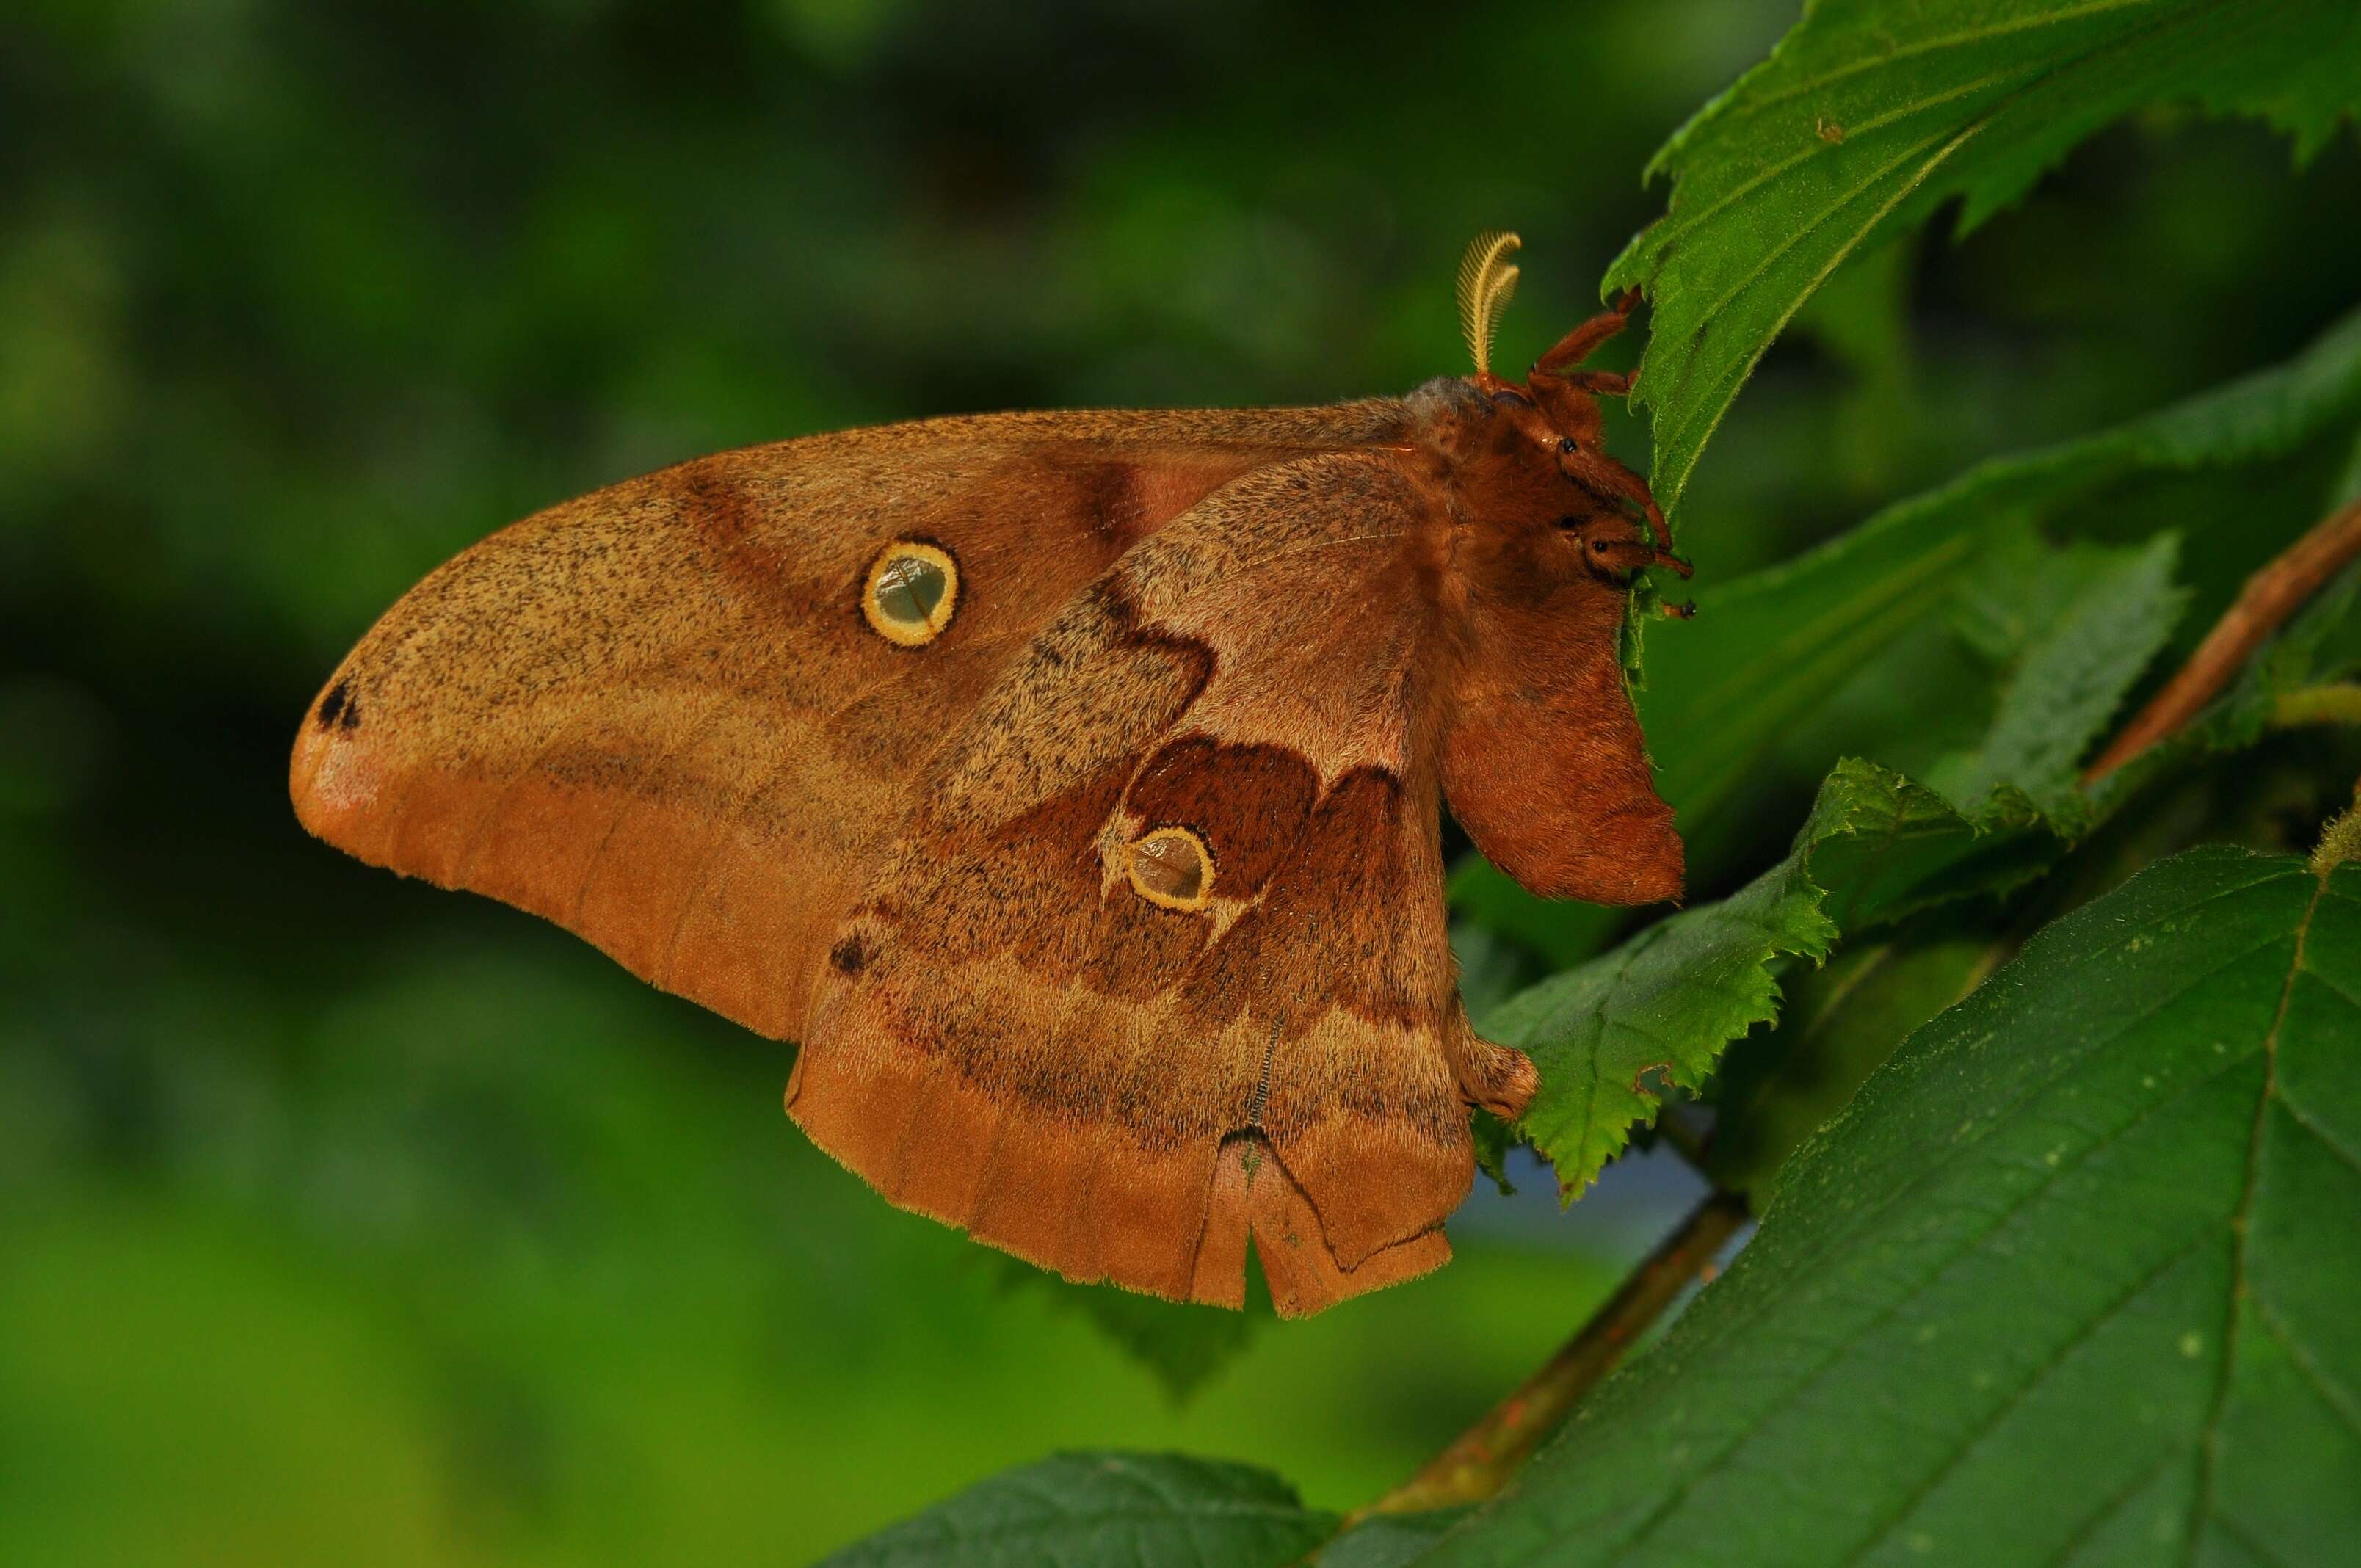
[(341, 1218)]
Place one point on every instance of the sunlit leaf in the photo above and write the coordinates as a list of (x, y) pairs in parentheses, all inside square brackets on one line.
[(1840, 1024), (2071, 1279), (1389, 1541), (1122, 1511), (1609, 1037), (1866, 116)]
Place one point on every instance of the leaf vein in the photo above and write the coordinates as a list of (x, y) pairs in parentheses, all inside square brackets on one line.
[(2083, 1533), (1987, 1424), (2044, 1183), (2303, 1119), (2126, 1025), (2209, 1443), (2340, 1403), (1948, 41), (2244, 1537)]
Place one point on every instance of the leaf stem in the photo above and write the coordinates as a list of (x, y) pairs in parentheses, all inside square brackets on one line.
[(1480, 1460), (2270, 596), (2338, 702)]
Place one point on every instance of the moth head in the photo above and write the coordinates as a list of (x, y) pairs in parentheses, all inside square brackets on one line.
[(1610, 546), (1530, 458)]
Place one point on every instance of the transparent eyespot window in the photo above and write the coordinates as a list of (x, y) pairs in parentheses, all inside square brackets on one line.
[(1171, 868), (912, 593)]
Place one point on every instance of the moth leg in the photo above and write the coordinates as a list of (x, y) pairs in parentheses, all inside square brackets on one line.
[(1604, 383), (1499, 1079), (1583, 341), (1603, 475)]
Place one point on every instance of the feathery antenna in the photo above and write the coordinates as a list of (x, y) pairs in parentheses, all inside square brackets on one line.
[(1487, 280)]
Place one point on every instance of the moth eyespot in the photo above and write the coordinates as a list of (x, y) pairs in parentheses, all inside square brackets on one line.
[(912, 593), (1170, 868)]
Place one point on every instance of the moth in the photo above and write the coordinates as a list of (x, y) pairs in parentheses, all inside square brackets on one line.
[(1066, 785)]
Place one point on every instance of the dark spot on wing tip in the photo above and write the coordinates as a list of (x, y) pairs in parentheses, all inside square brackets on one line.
[(849, 956), (1111, 503), (338, 710)]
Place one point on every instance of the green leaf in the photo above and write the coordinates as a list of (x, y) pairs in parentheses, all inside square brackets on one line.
[(1868, 114), (1774, 677), (1900, 848), (1608, 1037), (1494, 1139), (1840, 1024), (2023, 584), (1844, 1020), (2071, 681), (2303, 675), (1388, 1540), (2071, 1280), (1863, 319), (1122, 1511), (2320, 649), (1182, 1344), (1768, 653)]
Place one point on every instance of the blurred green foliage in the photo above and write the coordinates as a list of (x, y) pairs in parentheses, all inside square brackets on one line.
[(344, 1220)]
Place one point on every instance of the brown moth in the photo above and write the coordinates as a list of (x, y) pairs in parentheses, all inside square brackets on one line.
[(1066, 784)]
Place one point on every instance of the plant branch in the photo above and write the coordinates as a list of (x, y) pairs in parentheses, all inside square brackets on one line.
[(1481, 1459), (2270, 596)]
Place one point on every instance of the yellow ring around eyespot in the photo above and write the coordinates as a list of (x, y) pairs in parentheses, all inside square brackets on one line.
[(1162, 900), (910, 633)]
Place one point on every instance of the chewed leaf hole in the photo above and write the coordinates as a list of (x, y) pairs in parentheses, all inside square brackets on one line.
[(1171, 867)]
